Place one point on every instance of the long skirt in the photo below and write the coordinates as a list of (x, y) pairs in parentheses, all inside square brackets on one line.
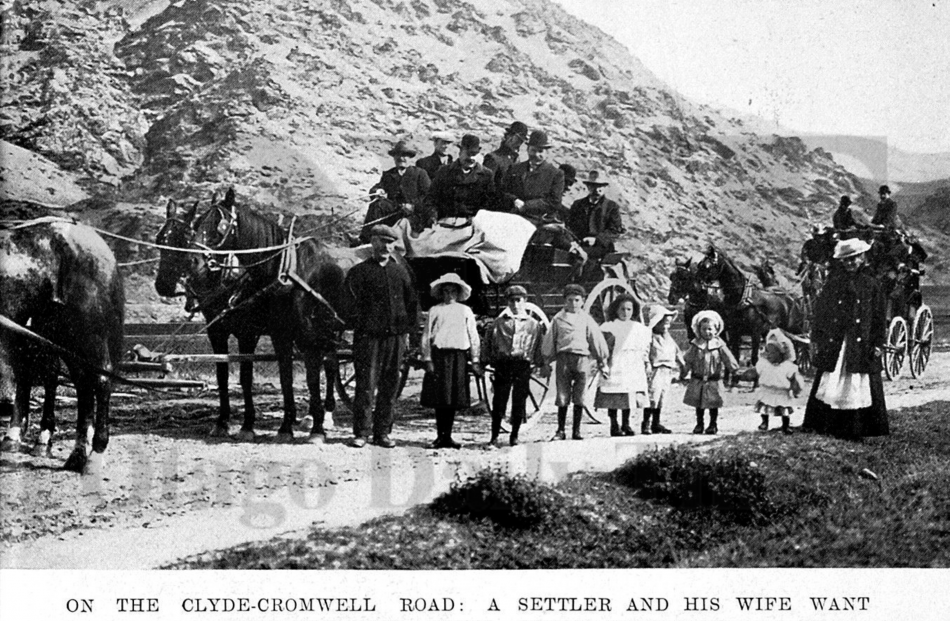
[(858, 423), (447, 386)]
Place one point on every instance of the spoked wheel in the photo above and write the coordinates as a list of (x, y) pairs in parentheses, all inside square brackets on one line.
[(921, 338), (896, 348), (603, 293)]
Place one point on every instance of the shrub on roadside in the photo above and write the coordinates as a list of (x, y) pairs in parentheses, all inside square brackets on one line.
[(510, 501), (730, 485)]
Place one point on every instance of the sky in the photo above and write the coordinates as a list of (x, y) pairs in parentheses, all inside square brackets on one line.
[(876, 68)]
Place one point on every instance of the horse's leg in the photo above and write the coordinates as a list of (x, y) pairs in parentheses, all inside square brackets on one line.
[(43, 446), (284, 348), (17, 383), (102, 387), (314, 361), (85, 403), (219, 345), (247, 344), (331, 370)]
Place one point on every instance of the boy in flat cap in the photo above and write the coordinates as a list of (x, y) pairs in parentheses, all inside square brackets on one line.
[(399, 194), (513, 347)]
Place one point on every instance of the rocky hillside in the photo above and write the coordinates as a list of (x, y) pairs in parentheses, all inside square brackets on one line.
[(295, 104)]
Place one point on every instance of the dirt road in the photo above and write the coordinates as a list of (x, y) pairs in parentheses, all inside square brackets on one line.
[(170, 491)]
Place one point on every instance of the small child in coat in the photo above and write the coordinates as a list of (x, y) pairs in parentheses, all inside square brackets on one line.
[(706, 359), (665, 359), (574, 337), (513, 347), (779, 381), (625, 386), (449, 340)]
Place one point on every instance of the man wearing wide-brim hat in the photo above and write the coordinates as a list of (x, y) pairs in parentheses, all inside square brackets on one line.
[(381, 308), (400, 193), (462, 188), (502, 158), (440, 154), (595, 219), (534, 187)]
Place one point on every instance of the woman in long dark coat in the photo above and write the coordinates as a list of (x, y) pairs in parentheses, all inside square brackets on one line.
[(848, 335)]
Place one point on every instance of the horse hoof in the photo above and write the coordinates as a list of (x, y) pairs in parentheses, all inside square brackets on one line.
[(285, 437), (305, 424), (246, 435), (316, 438), (95, 464), (76, 462), (10, 445), (328, 420), (220, 431)]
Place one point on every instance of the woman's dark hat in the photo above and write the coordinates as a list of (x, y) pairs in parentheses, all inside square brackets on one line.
[(539, 140), (401, 148)]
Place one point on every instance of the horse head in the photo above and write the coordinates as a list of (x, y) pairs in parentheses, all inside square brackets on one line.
[(682, 281), (217, 228), (177, 232), (710, 266)]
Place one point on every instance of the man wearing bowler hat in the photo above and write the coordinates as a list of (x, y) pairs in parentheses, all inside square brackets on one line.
[(463, 187), (595, 219), (440, 155), (501, 159), (382, 309), (399, 194), (535, 187), (886, 213)]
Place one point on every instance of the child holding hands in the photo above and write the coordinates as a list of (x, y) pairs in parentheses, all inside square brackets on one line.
[(706, 359)]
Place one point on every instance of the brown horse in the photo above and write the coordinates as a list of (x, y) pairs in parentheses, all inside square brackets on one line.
[(62, 279), (297, 305), (748, 309)]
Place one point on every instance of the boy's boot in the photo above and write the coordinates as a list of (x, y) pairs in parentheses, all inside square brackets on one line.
[(785, 428), (699, 422), (495, 429), (614, 427), (561, 424), (576, 427), (625, 424), (657, 427), (516, 421), (712, 429), (765, 423), (645, 425), (439, 429), (449, 423)]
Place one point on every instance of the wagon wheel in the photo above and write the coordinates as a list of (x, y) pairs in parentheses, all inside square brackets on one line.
[(921, 339), (537, 387), (603, 293), (346, 376), (896, 348)]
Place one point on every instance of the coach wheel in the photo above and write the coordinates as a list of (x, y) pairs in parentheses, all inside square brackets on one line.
[(603, 294), (896, 348), (921, 339), (803, 357)]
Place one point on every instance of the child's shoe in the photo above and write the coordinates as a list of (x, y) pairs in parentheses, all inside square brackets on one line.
[(645, 425), (785, 428), (625, 429), (698, 429), (656, 427), (765, 423)]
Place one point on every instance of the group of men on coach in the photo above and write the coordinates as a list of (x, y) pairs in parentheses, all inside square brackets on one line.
[(440, 187)]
